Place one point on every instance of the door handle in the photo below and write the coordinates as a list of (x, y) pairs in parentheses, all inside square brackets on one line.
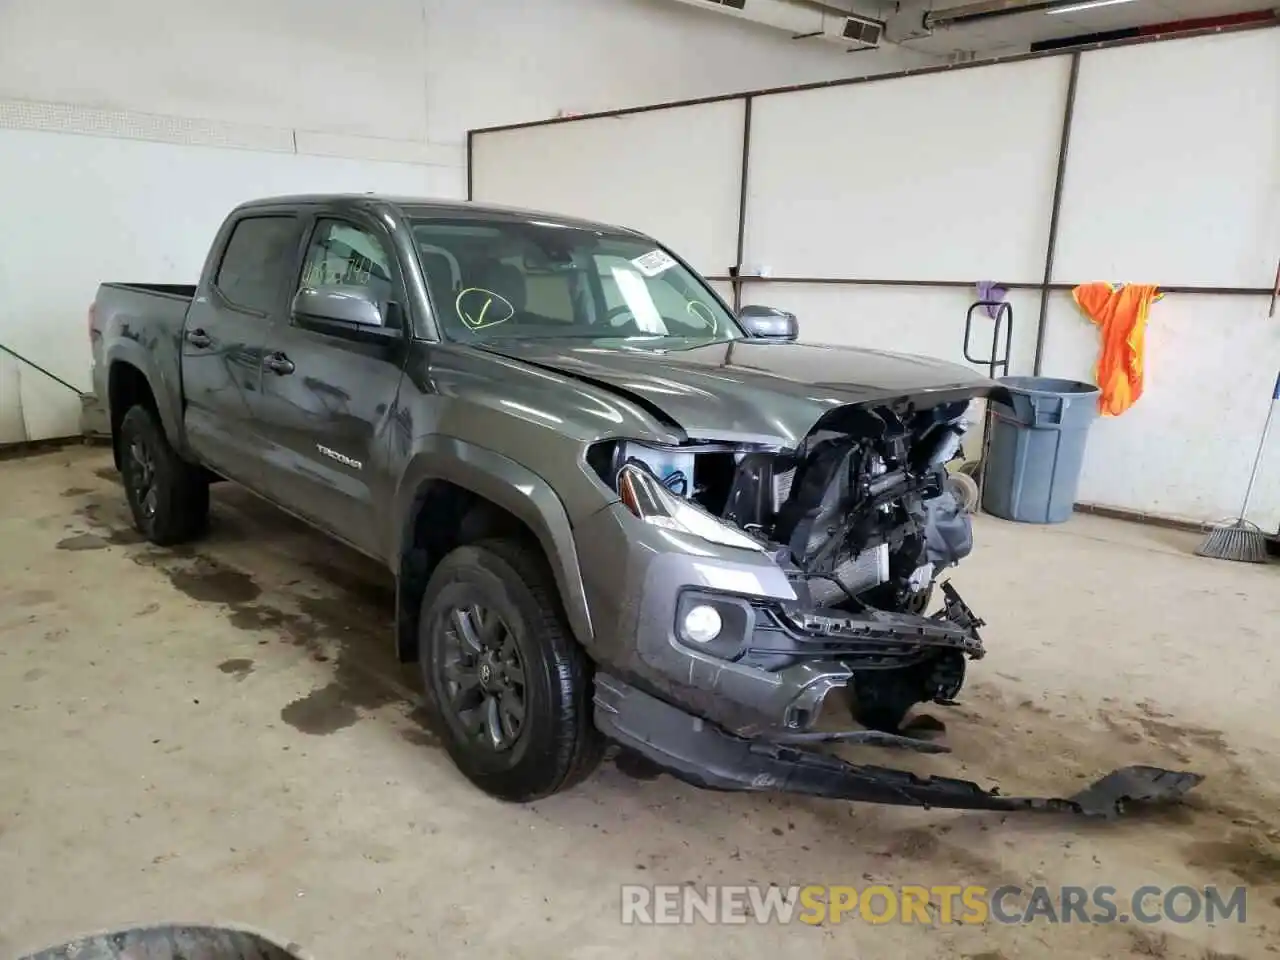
[(198, 338), (278, 363)]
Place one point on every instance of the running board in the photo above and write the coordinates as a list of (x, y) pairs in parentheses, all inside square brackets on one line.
[(702, 754)]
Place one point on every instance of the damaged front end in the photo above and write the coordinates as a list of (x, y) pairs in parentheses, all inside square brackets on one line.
[(856, 523), (860, 519)]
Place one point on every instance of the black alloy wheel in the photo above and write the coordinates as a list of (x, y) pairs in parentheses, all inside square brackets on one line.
[(507, 686), (168, 496), (483, 676), (140, 475)]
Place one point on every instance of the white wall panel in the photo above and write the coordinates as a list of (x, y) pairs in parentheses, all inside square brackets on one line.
[(492, 62), (923, 320), (946, 176), (395, 80), (82, 210), (403, 69), (725, 289), (1174, 171), (314, 64), (13, 425), (672, 173), (1186, 447)]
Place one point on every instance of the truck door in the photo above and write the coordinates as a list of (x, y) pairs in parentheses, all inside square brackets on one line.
[(222, 340), (328, 396)]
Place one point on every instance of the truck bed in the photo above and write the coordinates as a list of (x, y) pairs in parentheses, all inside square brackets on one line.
[(181, 291), (143, 322)]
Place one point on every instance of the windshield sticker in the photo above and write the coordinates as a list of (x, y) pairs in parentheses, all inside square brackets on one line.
[(654, 263), (479, 308), (700, 311), (639, 307)]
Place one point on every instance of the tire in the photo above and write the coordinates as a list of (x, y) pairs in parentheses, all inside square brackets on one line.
[(965, 489), (168, 497), (500, 594)]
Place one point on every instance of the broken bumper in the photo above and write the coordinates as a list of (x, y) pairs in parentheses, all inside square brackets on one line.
[(774, 666), (704, 755)]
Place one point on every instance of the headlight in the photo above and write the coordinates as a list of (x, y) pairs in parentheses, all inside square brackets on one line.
[(644, 495)]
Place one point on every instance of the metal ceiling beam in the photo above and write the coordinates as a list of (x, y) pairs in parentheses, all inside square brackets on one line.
[(989, 10)]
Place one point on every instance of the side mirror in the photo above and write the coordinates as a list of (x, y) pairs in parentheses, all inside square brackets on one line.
[(769, 323), (349, 312)]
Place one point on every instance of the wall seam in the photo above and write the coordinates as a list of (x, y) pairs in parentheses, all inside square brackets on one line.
[(52, 117)]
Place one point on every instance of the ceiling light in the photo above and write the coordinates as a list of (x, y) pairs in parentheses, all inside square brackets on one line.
[(1086, 5)]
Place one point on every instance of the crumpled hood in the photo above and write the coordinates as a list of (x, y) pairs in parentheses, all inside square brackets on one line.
[(749, 391)]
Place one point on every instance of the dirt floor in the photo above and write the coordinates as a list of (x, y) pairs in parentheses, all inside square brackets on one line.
[(220, 733)]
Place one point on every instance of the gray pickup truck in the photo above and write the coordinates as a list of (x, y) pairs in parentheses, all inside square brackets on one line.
[(615, 510)]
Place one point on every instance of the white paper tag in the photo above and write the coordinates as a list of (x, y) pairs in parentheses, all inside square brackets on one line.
[(653, 263)]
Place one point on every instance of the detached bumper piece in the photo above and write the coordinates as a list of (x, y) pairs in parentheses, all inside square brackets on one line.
[(702, 754)]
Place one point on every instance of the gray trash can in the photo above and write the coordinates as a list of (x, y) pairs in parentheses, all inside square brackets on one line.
[(1037, 447)]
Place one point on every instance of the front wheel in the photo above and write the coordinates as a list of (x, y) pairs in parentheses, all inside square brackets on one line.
[(505, 681), (168, 497)]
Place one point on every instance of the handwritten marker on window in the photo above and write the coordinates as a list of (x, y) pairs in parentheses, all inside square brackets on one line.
[(475, 322)]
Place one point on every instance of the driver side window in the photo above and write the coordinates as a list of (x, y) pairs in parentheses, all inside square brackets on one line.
[(343, 255)]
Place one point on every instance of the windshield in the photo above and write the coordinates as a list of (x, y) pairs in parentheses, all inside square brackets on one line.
[(495, 279)]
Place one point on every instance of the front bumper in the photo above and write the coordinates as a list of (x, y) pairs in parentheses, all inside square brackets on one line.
[(779, 667), (702, 754)]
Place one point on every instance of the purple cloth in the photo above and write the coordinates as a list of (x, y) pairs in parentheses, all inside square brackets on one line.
[(992, 292)]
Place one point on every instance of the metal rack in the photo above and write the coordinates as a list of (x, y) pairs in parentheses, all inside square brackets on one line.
[(996, 362)]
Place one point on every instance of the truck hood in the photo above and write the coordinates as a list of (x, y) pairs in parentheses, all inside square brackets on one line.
[(748, 391)]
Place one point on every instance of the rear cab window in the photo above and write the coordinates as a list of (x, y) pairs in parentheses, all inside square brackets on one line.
[(256, 261)]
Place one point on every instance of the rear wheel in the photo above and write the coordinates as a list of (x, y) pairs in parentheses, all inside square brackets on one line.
[(168, 497), (507, 685)]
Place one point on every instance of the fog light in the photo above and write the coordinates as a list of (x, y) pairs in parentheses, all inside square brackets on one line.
[(702, 624)]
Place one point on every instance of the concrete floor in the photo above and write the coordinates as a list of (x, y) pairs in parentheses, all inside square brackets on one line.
[(220, 733)]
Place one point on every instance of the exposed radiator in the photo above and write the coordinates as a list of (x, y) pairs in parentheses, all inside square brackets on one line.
[(868, 569)]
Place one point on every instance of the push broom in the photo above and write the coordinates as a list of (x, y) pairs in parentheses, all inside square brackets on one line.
[(1243, 540)]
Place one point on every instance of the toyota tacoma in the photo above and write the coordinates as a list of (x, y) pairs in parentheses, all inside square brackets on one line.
[(615, 509)]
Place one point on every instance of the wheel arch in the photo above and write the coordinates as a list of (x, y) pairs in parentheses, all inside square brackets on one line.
[(456, 492), (132, 381), (127, 387)]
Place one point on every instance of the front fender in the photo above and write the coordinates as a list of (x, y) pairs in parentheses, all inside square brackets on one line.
[(511, 486)]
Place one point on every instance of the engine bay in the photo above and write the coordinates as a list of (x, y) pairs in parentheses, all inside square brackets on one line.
[(860, 518), (858, 514)]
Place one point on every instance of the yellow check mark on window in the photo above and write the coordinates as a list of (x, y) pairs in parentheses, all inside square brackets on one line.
[(478, 320)]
